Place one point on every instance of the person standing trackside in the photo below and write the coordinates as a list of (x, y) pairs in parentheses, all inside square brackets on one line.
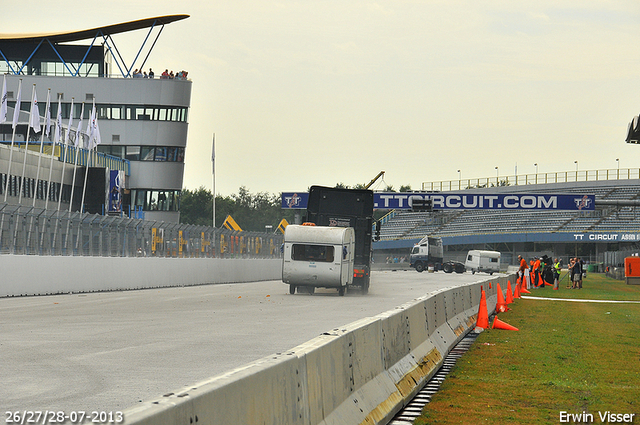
[(572, 263), (536, 273), (522, 267), (151, 74), (580, 272), (556, 274), (576, 273)]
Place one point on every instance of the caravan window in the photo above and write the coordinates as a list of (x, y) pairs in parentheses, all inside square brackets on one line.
[(493, 260), (320, 253)]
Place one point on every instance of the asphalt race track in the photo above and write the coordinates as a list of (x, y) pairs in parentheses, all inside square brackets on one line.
[(108, 351)]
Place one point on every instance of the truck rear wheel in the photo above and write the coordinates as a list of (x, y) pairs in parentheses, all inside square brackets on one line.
[(292, 289), (341, 291), (447, 268)]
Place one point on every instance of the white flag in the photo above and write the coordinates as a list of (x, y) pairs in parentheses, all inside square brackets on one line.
[(90, 128), (47, 115), (70, 124), (76, 143), (34, 114), (58, 134), (96, 136), (16, 109), (95, 131), (3, 105)]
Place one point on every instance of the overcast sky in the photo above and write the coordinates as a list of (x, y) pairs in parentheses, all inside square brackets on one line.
[(327, 91)]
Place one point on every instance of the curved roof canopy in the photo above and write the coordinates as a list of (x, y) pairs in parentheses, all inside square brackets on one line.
[(64, 37), (21, 51)]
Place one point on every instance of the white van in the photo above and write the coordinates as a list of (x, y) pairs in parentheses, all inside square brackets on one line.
[(483, 261), (318, 256)]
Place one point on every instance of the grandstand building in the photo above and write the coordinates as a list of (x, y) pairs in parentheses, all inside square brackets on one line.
[(142, 121), (613, 225)]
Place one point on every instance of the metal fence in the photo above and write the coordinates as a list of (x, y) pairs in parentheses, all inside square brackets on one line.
[(36, 231), (527, 179)]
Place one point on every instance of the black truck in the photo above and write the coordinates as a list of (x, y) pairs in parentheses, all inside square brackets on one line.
[(328, 206)]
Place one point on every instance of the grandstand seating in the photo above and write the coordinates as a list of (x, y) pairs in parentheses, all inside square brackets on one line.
[(605, 218)]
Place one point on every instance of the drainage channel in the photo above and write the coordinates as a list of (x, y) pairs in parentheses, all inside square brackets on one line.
[(414, 409)]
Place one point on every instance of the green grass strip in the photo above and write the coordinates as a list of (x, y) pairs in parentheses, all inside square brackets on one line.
[(572, 357)]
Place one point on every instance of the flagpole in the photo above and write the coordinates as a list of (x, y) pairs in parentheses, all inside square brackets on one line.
[(44, 130), (75, 165), (40, 152), (26, 144), (90, 153), (3, 118), (16, 115), (56, 140), (67, 140), (213, 171)]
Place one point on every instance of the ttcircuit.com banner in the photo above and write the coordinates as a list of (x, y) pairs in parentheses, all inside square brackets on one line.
[(457, 201)]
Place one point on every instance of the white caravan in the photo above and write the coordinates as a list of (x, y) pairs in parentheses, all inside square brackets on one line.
[(318, 256), (483, 261)]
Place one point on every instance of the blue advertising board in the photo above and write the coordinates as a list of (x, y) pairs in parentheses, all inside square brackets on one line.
[(114, 193), (295, 200), (462, 201)]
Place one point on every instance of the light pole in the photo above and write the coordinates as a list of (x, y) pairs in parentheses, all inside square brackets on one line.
[(497, 178), (618, 162), (459, 180), (536, 165), (576, 162)]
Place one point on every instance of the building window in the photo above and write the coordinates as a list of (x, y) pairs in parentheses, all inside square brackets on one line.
[(147, 153), (155, 200), (133, 153)]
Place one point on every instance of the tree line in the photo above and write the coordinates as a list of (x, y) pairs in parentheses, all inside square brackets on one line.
[(251, 211)]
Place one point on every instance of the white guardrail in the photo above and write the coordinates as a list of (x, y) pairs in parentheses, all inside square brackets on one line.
[(363, 373)]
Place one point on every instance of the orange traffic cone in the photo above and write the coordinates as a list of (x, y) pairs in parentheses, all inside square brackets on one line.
[(509, 293), (525, 291), (501, 305), (516, 292), (499, 324), (483, 316)]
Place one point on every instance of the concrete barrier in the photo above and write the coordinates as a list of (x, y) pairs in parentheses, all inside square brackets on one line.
[(363, 373), (42, 275)]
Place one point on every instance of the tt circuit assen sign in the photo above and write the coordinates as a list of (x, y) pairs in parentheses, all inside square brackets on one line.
[(460, 201)]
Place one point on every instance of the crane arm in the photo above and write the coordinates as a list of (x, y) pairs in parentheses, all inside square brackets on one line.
[(380, 174)]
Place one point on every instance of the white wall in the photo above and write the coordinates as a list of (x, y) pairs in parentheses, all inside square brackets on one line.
[(40, 275)]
